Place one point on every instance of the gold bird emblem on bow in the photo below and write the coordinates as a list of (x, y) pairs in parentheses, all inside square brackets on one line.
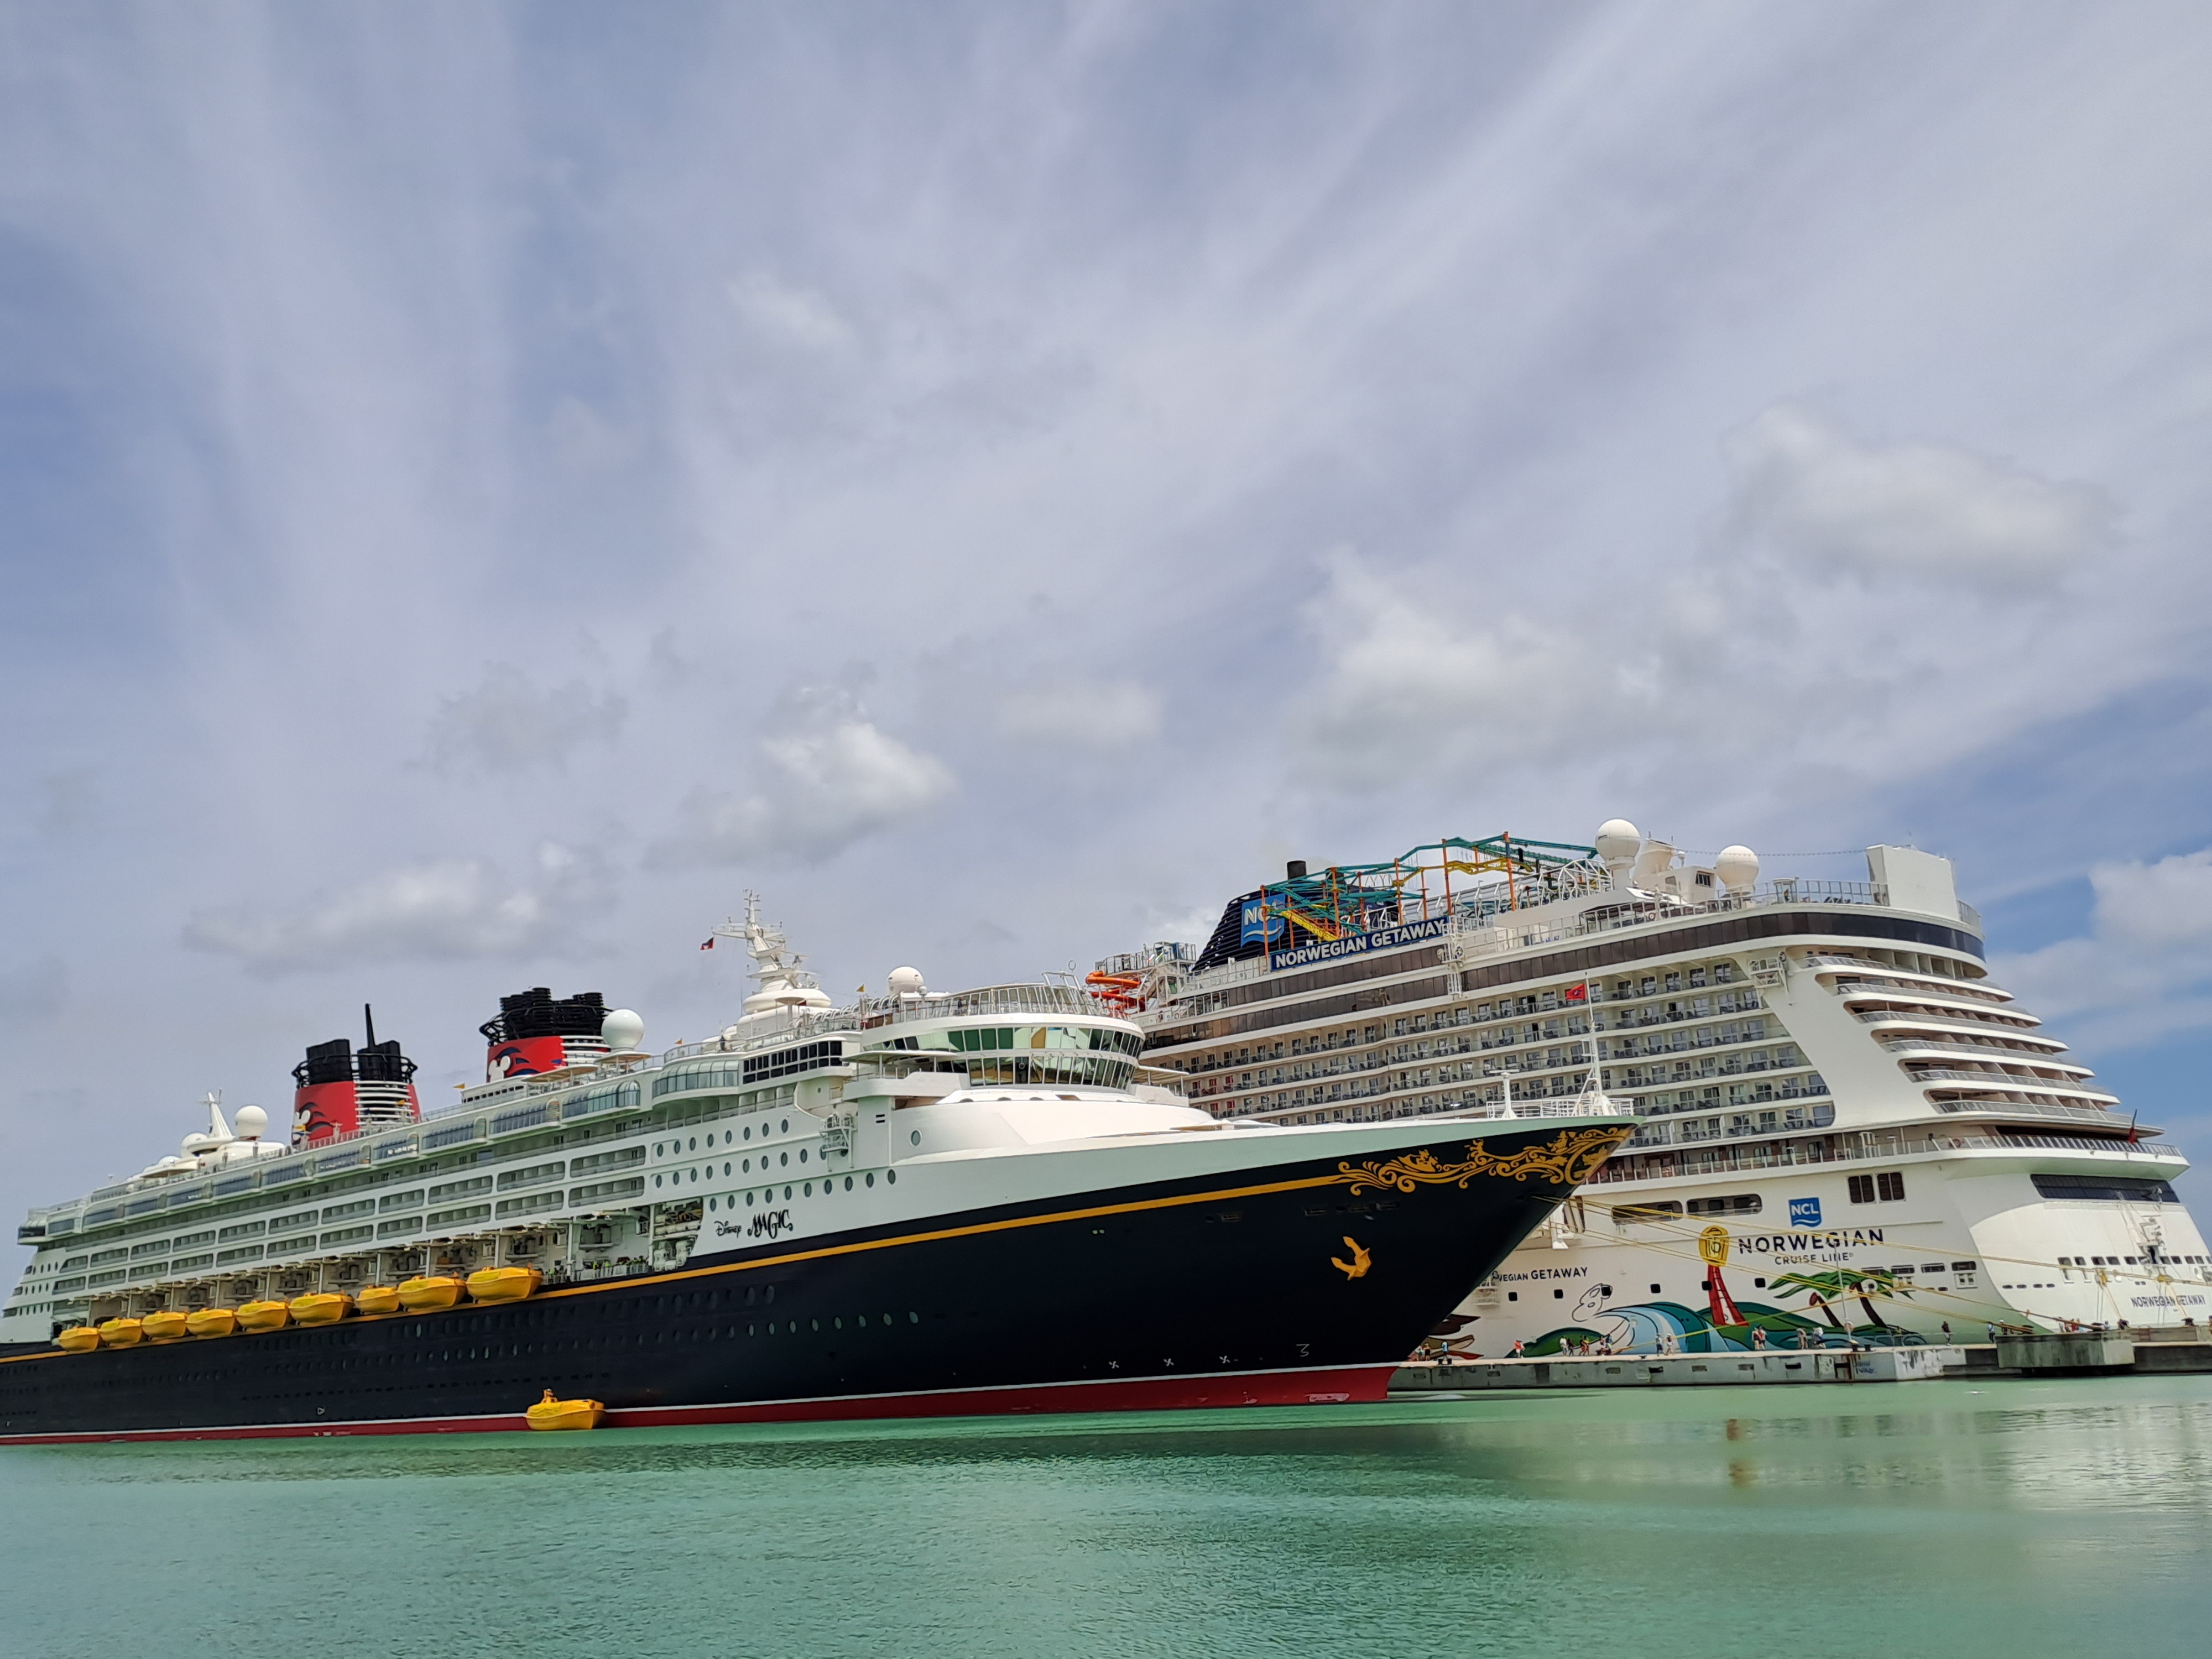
[(1360, 1262)]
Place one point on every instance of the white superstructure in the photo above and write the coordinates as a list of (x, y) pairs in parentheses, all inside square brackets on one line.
[(1849, 1128)]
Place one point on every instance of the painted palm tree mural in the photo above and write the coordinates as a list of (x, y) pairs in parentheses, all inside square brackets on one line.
[(1724, 1325), (1839, 1284)]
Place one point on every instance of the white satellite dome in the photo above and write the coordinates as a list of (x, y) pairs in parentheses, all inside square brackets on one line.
[(1617, 842), (622, 1030), (907, 983), (1738, 869), (250, 1123)]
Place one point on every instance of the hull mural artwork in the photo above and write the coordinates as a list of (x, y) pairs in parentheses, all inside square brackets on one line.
[(1725, 1324)]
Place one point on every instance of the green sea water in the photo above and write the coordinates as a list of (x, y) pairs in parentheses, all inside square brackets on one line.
[(2016, 1518)]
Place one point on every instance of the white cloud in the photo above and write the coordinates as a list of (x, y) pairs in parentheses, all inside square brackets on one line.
[(791, 315), (1451, 664), (1820, 495), (437, 909), (1409, 680), (2144, 969), (828, 779), (1104, 716), (507, 725)]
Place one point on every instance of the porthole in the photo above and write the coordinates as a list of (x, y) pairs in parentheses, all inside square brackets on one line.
[(783, 1157), (710, 1138), (725, 1170), (891, 1176), (749, 1200), (751, 1330), (656, 1149), (839, 1323), (802, 1154), (787, 1192), (871, 1177), (656, 1181), (808, 1192), (749, 1166), (916, 1138), (849, 1183), (784, 1127), (710, 1203), (748, 1132), (862, 1321), (768, 1295), (815, 1323), (914, 1319), (752, 1294)]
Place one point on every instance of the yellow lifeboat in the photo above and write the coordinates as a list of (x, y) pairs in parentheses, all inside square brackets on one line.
[(321, 1307), (265, 1316), (121, 1333), (428, 1295), (504, 1283), (212, 1322), (551, 1414), (78, 1338), (167, 1325), (377, 1299)]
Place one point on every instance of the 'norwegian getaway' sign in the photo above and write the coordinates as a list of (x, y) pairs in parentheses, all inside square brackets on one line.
[(1360, 944)]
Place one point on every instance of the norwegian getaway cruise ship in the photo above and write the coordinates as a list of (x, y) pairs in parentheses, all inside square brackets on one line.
[(921, 1204), (1845, 1130)]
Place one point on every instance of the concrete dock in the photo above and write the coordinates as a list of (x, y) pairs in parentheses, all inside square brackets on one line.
[(1681, 1370), (2145, 1352)]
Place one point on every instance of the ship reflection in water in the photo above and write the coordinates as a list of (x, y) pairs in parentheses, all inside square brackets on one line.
[(2027, 1517)]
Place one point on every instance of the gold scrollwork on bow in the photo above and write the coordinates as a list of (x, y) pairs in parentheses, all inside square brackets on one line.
[(1570, 1158)]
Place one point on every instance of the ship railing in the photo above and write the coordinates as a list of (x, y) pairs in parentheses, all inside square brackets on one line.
[(1030, 997), (1949, 1020), (873, 1013), (2103, 1116), (1584, 1105), (1729, 1160), (1497, 933), (2056, 1085), (1983, 1051)]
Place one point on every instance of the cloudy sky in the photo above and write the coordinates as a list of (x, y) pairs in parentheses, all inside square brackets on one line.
[(481, 487)]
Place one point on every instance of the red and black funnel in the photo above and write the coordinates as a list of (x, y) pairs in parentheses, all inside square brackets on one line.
[(338, 1088)]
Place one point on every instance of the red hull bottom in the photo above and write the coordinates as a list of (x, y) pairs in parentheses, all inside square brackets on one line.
[(1333, 1385)]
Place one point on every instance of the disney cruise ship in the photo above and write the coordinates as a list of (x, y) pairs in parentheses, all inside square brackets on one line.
[(921, 1204), (1845, 1130)]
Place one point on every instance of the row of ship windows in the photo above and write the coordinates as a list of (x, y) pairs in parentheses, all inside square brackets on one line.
[(1686, 1036), (305, 1221), (1683, 1071), (805, 1188), (1565, 1024), (1882, 1187), (730, 1137), (144, 1258)]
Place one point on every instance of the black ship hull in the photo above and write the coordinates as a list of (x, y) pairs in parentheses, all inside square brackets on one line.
[(1289, 1284)]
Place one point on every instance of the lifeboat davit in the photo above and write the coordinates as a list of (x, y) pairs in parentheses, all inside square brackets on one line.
[(321, 1307), (212, 1322), (551, 1414), (121, 1333), (167, 1325), (376, 1299), (265, 1316), (504, 1283), (78, 1338), (427, 1295)]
